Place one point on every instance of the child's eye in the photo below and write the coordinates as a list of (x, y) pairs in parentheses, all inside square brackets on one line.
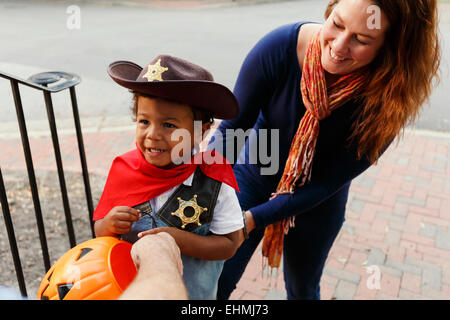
[(169, 125), (145, 122)]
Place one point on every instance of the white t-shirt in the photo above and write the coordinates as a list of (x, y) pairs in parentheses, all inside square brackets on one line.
[(227, 215)]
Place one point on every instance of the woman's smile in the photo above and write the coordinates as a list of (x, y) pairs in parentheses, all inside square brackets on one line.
[(335, 58), (348, 43)]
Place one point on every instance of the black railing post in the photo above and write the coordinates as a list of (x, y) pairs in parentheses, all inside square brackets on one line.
[(84, 168), (59, 165), (61, 81), (30, 169), (12, 237)]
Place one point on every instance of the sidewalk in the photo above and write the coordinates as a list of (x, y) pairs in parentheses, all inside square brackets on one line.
[(398, 214)]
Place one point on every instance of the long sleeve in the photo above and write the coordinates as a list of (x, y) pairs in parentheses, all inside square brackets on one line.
[(268, 92), (254, 86), (332, 175)]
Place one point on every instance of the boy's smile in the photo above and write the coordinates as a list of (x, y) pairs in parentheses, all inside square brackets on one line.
[(156, 120)]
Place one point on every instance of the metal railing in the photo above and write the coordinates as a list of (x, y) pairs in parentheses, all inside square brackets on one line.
[(61, 81)]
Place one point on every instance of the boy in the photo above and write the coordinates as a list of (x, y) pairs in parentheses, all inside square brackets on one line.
[(148, 192)]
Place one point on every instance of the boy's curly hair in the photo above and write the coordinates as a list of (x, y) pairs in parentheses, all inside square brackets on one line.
[(199, 114)]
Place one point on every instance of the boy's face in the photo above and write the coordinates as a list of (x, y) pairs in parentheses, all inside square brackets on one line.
[(156, 120)]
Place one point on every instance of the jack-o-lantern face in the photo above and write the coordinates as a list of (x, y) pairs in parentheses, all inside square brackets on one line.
[(98, 269)]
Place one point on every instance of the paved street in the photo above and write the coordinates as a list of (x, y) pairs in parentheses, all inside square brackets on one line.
[(395, 243), (216, 38), (35, 38)]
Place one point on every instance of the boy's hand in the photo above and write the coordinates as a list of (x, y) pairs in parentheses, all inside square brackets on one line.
[(177, 234), (119, 220), (209, 247), (170, 230)]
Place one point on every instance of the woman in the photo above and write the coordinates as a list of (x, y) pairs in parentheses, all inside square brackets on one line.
[(358, 79)]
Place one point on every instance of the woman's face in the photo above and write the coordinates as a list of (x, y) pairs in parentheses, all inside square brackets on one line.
[(352, 36)]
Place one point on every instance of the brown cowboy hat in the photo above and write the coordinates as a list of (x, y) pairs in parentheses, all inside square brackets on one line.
[(178, 80)]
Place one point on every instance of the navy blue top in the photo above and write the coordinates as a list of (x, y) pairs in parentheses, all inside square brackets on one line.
[(268, 92)]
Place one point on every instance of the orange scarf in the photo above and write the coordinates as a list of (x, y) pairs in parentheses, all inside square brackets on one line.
[(319, 102)]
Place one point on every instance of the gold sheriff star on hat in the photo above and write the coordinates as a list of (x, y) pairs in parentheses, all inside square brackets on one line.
[(155, 71), (179, 80)]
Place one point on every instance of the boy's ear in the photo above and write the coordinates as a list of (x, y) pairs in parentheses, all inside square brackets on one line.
[(205, 126)]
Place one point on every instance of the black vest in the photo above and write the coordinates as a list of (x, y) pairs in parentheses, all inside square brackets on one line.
[(201, 195), (187, 203)]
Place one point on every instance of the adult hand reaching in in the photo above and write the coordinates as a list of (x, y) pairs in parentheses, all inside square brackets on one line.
[(159, 270)]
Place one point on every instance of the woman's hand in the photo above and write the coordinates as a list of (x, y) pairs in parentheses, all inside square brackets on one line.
[(249, 221), (117, 221)]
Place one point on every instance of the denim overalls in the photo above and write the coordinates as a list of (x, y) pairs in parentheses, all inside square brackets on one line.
[(200, 276)]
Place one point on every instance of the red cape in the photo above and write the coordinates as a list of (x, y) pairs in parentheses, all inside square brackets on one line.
[(132, 180)]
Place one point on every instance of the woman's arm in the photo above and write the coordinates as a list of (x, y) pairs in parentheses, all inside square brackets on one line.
[(212, 247), (254, 87), (334, 173)]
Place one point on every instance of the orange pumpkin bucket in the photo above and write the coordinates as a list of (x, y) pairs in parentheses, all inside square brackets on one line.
[(98, 269)]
